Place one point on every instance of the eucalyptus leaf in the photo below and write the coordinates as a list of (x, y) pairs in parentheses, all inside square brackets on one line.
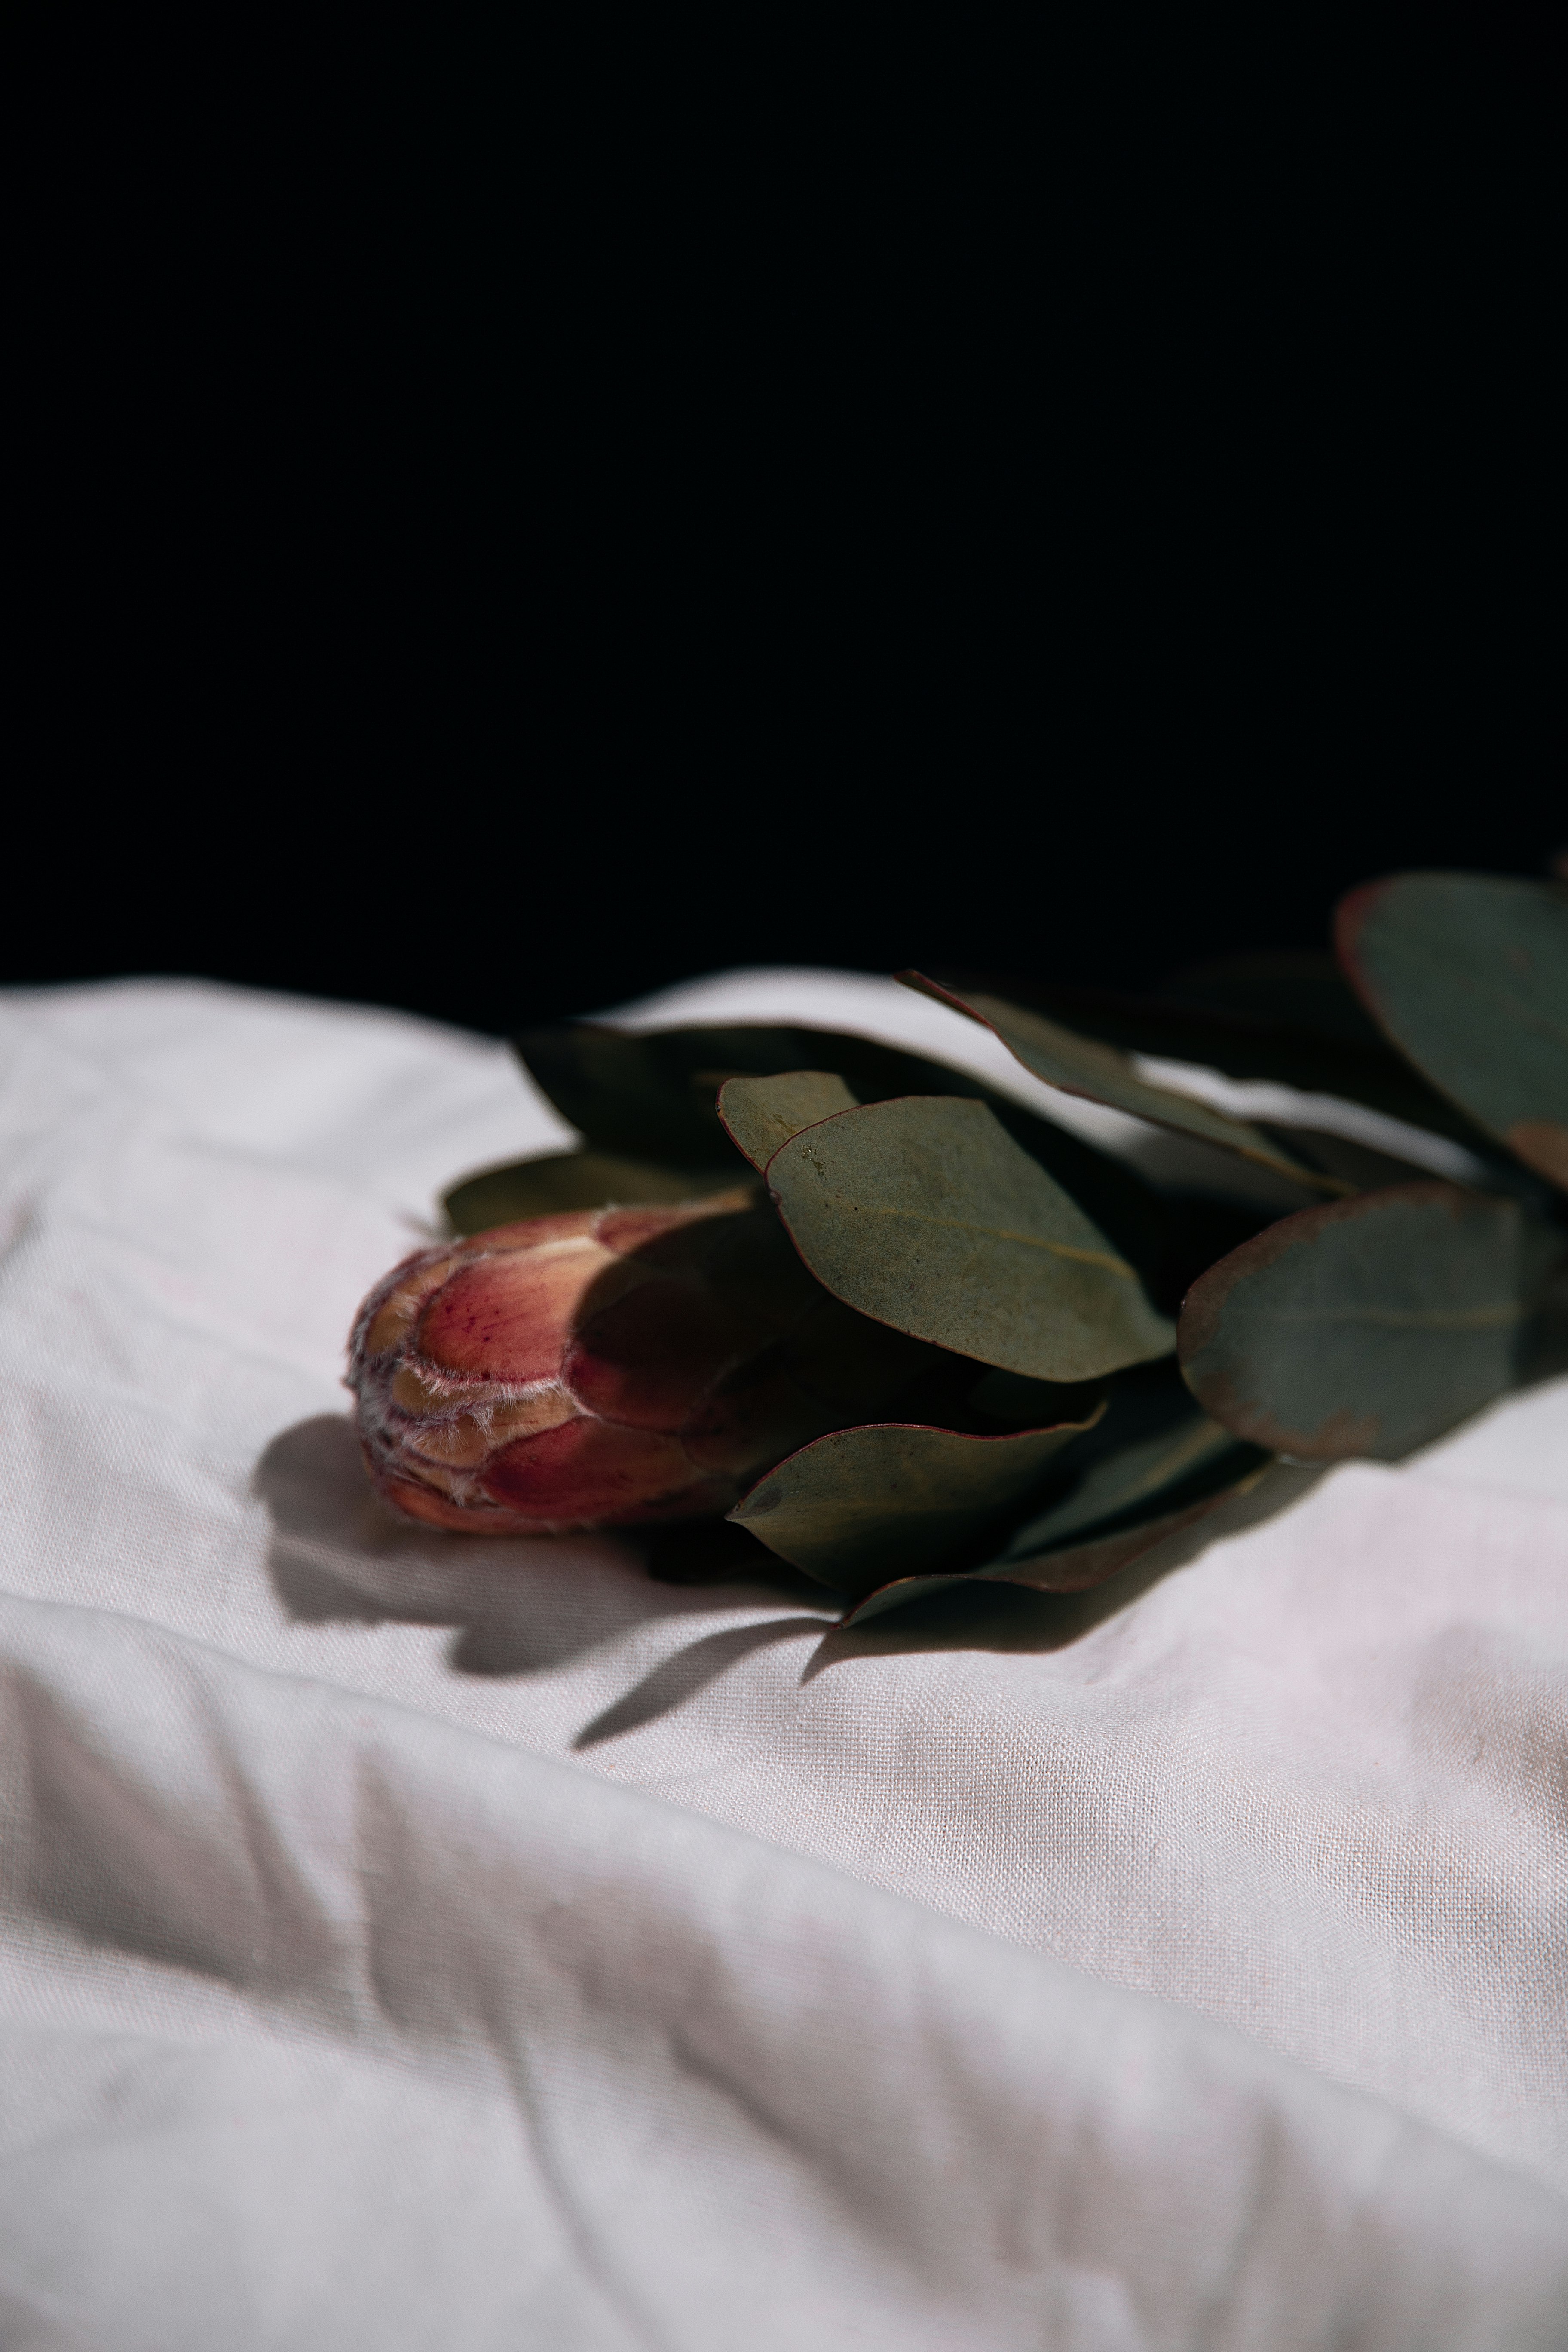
[(651, 1096), (1366, 1169), (642, 1096), (1084, 1066), (1290, 1019), (1076, 1568), (1138, 1460), (759, 1113), (1368, 1327), (1154, 1462), (1468, 975), (926, 1216), (575, 1180), (860, 1502)]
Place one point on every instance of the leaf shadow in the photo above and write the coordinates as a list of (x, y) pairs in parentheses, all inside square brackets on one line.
[(518, 1605), (691, 1670), (1010, 1618), (1000, 1618)]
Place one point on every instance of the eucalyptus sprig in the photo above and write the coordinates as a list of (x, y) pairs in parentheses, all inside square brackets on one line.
[(1122, 1354)]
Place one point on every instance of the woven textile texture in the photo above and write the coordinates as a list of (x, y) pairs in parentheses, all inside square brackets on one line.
[(424, 1943)]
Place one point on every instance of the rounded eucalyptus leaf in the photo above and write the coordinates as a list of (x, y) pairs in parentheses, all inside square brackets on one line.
[(650, 1096), (1368, 1327), (760, 1114), (925, 1215), (1468, 974), (859, 1503)]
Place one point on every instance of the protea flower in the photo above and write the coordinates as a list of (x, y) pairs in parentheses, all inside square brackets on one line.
[(608, 1366)]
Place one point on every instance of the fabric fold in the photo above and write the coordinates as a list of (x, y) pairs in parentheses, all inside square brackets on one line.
[(370, 2031)]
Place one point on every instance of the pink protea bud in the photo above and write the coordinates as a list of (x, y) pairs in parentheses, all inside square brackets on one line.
[(605, 1366)]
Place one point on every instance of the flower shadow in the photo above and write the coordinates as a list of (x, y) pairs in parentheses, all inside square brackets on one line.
[(519, 1605)]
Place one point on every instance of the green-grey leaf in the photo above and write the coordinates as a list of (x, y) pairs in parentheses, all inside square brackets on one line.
[(1076, 1568), (760, 1114), (1368, 1327), (1153, 1463), (650, 1096), (575, 1180), (641, 1096), (1083, 1065), (1468, 975), (1289, 1018), (1127, 1480), (861, 1502), (926, 1215)]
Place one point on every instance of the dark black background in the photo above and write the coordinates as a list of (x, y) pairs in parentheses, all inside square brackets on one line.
[(520, 527)]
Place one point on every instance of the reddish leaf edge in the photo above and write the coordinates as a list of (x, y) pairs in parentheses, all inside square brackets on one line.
[(886, 1321)]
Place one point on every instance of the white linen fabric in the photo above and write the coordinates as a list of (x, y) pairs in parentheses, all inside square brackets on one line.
[(411, 1940)]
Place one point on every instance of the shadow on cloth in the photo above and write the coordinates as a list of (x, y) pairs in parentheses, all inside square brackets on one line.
[(996, 1617), (679, 1678), (520, 1604)]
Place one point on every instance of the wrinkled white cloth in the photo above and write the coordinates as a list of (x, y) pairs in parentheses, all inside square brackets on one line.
[(414, 1941)]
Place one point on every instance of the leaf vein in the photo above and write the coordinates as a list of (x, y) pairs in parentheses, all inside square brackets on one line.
[(1006, 1234), (1414, 1319)]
